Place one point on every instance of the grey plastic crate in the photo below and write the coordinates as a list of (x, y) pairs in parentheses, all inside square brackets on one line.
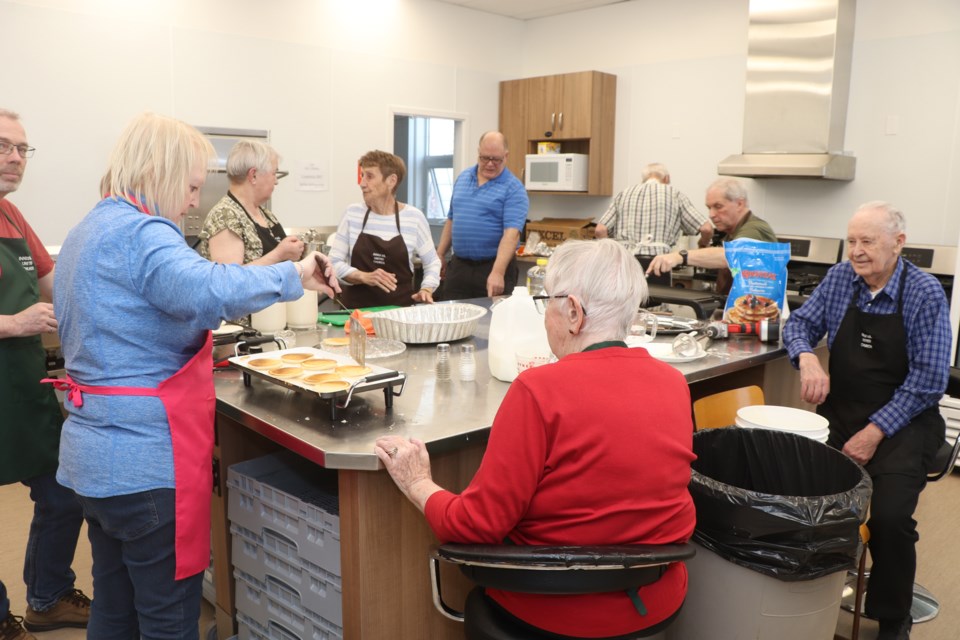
[(269, 610), (271, 555), (281, 493)]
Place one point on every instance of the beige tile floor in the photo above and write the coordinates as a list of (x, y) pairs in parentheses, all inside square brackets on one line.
[(15, 512), (938, 562)]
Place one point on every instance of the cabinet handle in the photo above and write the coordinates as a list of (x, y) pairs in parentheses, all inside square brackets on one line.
[(561, 121), (553, 121)]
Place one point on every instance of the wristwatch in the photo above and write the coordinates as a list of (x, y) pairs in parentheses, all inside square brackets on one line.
[(683, 257)]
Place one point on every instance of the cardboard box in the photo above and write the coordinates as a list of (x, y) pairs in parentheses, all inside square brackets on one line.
[(555, 231), (545, 148)]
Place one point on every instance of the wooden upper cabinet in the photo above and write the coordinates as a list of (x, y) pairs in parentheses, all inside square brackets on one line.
[(513, 105), (576, 109), (561, 107)]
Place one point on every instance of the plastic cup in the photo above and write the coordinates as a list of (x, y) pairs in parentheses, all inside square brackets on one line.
[(644, 324), (530, 360)]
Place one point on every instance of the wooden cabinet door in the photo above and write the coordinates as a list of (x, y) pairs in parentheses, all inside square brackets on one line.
[(513, 123), (574, 99), (543, 106)]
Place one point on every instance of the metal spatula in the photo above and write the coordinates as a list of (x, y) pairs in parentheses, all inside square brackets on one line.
[(358, 341)]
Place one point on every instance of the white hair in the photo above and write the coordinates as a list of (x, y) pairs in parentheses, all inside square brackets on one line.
[(655, 170), (249, 154), (606, 278), (896, 222), (732, 189)]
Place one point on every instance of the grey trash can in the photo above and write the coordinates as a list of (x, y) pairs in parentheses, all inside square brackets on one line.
[(778, 518)]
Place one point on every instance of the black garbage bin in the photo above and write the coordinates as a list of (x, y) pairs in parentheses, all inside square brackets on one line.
[(778, 518)]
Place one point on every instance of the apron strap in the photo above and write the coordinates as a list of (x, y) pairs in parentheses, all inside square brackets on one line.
[(75, 391)]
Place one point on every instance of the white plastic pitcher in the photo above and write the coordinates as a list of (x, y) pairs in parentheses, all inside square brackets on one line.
[(302, 313), (515, 325), (271, 319)]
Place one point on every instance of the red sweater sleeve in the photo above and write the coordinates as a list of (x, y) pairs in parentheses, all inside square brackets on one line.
[(503, 486)]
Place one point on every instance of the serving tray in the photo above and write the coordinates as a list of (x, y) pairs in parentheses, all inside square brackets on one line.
[(378, 378)]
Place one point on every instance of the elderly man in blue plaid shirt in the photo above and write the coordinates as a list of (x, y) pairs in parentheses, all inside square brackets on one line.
[(888, 331)]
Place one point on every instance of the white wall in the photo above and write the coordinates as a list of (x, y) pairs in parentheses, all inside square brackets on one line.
[(320, 75), (681, 74)]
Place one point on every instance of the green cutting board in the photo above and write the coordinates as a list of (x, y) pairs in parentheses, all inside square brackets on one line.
[(340, 319)]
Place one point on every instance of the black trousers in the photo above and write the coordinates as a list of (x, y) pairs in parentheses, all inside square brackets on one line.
[(468, 279), (893, 539)]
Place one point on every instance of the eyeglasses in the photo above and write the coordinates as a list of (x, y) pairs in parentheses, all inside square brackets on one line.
[(540, 302), (6, 148), (282, 174), (490, 159)]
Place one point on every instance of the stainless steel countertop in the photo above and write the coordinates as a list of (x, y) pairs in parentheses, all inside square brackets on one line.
[(444, 414)]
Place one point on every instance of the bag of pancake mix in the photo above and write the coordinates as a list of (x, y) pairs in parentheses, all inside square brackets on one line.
[(759, 288)]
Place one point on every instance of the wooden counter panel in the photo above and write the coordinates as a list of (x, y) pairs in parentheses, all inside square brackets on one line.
[(385, 546)]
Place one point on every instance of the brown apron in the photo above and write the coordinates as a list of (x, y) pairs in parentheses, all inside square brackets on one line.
[(370, 253)]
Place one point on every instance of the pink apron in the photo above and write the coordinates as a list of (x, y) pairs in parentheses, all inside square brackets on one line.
[(190, 402)]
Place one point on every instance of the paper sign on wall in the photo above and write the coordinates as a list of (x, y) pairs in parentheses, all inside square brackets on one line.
[(312, 176)]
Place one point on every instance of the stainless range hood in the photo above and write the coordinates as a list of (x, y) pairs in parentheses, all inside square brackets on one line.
[(798, 82)]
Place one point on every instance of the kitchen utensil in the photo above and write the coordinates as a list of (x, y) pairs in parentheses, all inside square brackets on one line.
[(530, 360), (375, 348), (428, 323), (673, 325), (765, 330), (443, 361), (790, 419), (689, 344), (664, 351), (358, 341), (644, 326), (378, 378)]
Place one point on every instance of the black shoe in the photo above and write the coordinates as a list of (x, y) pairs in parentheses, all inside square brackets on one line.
[(895, 629)]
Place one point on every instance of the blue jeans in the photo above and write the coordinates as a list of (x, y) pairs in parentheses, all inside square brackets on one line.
[(52, 541), (135, 593)]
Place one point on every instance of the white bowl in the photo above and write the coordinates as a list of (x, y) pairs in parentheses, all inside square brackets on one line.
[(768, 416), (428, 323)]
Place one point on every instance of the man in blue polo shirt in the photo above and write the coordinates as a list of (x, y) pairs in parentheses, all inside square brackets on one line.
[(487, 211)]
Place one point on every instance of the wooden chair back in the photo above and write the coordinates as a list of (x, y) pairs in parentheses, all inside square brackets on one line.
[(720, 409)]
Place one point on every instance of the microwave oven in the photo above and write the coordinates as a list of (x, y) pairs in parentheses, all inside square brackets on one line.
[(556, 172)]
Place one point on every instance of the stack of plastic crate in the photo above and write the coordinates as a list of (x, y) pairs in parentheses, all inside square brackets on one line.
[(950, 410), (285, 525)]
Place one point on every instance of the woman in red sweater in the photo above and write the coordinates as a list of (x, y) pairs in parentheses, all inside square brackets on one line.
[(593, 449)]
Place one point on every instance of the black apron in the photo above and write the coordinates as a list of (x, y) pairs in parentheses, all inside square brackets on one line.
[(31, 422), (868, 362), (270, 237), (370, 253)]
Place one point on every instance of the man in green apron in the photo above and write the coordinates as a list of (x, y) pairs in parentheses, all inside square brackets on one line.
[(30, 428)]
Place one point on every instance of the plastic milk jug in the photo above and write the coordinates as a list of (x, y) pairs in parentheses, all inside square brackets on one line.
[(515, 325)]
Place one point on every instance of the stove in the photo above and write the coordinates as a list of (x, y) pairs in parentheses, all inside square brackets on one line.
[(810, 259), (940, 261), (936, 259)]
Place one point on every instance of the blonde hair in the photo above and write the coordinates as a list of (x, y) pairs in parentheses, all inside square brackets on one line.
[(152, 162)]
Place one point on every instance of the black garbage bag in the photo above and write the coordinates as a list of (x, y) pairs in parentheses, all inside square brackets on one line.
[(780, 504)]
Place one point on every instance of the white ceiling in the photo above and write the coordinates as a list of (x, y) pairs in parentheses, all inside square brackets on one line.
[(528, 9)]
